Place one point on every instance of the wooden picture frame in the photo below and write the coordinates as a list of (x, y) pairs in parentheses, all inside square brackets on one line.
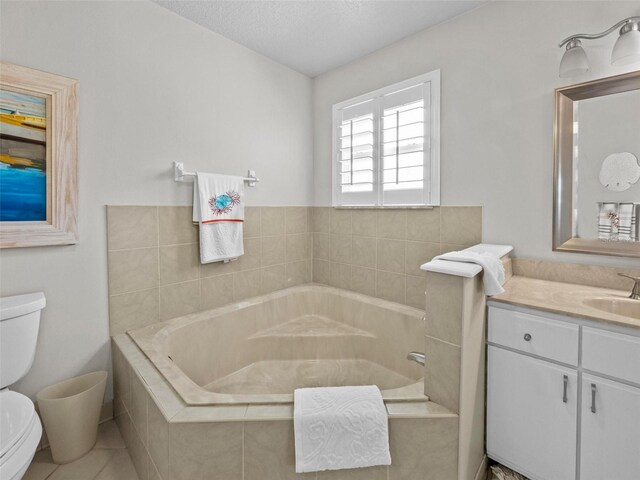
[(60, 95)]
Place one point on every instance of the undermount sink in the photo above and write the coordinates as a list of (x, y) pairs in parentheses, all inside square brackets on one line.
[(626, 307)]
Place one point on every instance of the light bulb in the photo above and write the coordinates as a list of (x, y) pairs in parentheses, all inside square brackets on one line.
[(627, 48), (574, 61)]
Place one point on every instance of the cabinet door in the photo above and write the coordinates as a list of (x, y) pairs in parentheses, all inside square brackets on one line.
[(532, 415), (610, 436)]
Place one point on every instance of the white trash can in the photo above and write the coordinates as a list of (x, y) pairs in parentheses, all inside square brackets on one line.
[(70, 411)]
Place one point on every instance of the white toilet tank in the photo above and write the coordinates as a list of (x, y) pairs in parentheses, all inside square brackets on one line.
[(19, 322)]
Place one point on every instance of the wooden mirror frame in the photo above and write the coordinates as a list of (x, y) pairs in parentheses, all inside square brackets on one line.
[(563, 239), (61, 94)]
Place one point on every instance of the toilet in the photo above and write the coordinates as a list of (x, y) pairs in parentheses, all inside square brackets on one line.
[(19, 423)]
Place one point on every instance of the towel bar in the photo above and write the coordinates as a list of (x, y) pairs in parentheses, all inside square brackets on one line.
[(179, 174)]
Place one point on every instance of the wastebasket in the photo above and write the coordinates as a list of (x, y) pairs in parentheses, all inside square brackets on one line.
[(70, 411)]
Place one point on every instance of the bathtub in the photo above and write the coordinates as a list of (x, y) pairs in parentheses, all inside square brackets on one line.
[(258, 351)]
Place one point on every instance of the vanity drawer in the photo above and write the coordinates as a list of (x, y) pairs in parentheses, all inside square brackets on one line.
[(552, 339), (613, 354)]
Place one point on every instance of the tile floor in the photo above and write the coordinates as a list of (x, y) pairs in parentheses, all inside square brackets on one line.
[(109, 460), (504, 474)]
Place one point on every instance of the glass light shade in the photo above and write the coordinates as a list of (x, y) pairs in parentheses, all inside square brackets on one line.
[(627, 48), (574, 62)]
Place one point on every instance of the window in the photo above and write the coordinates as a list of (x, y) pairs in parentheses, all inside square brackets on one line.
[(387, 145)]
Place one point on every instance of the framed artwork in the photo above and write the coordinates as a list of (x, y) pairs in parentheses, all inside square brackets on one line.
[(38, 158)]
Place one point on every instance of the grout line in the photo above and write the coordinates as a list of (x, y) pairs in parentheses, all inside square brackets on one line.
[(132, 291), (404, 262), (211, 276), (104, 466), (53, 471), (132, 249), (183, 244), (200, 300), (243, 456), (444, 341)]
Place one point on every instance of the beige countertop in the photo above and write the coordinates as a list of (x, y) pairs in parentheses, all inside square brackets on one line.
[(562, 298)]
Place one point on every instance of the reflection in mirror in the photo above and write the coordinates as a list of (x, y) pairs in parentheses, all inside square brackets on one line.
[(597, 167), (606, 176)]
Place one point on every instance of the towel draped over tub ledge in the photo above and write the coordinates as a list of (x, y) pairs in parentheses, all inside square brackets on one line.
[(340, 427), (493, 277)]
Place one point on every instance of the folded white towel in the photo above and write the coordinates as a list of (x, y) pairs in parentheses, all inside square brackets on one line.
[(340, 427), (493, 277), (218, 208)]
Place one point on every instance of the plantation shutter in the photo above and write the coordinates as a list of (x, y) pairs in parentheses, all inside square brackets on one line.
[(356, 156), (405, 144), (384, 148)]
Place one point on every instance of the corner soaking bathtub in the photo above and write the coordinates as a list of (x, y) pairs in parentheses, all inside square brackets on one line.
[(258, 351)]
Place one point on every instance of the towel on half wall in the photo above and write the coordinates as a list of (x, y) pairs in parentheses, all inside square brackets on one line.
[(218, 208), (340, 427), (493, 277)]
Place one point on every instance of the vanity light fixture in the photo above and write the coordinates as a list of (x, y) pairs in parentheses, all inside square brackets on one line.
[(626, 49)]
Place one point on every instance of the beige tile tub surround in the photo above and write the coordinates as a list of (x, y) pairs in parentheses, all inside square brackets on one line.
[(256, 442), (155, 272), (378, 252), (375, 252), (455, 367)]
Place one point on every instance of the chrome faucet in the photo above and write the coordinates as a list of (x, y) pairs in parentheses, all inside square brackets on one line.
[(416, 357), (635, 292)]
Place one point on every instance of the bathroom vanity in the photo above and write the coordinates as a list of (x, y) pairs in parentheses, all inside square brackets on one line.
[(563, 391)]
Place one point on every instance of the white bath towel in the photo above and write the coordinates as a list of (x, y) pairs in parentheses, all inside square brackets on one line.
[(493, 276), (607, 215), (340, 427), (635, 223), (626, 223), (218, 208)]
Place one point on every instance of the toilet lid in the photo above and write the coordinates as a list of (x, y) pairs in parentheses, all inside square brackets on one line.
[(16, 417)]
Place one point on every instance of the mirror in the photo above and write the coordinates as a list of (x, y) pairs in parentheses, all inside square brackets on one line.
[(597, 167)]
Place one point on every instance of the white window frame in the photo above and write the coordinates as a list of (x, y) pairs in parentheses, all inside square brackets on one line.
[(431, 189)]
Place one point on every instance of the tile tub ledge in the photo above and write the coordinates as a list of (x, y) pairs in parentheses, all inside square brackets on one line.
[(175, 410), (462, 269), (183, 442)]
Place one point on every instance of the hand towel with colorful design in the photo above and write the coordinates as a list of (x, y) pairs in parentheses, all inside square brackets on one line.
[(218, 208)]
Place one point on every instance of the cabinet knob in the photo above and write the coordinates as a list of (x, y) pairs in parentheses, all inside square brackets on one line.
[(527, 337)]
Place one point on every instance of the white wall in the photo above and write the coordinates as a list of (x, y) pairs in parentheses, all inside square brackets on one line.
[(154, 88), (499, 70)]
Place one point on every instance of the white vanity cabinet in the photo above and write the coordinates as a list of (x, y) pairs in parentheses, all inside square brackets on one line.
[(610, 430), (563, 396), (532, 407)]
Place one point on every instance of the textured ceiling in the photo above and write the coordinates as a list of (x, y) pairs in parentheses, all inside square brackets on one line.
[(314, 36)]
